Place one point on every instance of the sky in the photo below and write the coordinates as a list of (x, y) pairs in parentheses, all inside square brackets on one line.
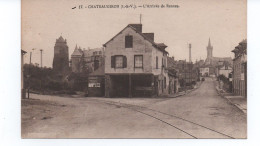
[(223, 21)]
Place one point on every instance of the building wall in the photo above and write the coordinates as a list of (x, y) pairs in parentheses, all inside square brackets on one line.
[(225, 72), (204, 71), (239, 81), (140, 47), (75, 64)]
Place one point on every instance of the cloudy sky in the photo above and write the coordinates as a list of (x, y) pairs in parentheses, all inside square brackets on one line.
[(224, 21)]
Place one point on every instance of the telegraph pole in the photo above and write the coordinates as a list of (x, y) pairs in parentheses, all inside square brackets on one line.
[(41, 57), (29, 75), (41, 69)]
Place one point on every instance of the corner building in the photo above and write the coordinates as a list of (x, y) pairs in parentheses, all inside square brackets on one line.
[(135, 65)]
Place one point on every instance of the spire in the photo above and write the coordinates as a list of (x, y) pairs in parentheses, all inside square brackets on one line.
[(209, 43), (76, 47)]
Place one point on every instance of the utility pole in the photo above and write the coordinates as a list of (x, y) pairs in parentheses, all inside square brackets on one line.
[(189, 64), (41, 69), (29, 75), (41, 57)]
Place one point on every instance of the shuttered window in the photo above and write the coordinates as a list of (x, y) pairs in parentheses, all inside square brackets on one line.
[(118, 61), (129, 41)]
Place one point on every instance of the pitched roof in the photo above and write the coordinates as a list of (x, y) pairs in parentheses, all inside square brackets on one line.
[(77, 52), (133, 26)]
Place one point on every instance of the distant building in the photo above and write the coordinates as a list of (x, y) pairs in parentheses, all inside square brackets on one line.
[(135, 64), (86, 61), (224, 69), (239, 80), (204, 71), (213, 61), (187, 72), (173, 75), (61, 57)]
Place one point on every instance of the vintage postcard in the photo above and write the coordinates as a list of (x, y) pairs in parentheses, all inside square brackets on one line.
[(134, 69)]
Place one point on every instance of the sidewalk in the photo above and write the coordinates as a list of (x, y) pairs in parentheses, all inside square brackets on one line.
[(238, 101)]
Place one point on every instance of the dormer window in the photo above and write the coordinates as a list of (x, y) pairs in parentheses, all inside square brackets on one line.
[(129, 41)]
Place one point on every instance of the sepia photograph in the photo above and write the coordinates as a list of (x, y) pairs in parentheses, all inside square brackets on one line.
[(150, 69)]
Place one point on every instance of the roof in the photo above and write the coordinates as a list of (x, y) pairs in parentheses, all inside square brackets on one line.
[(89, 52), (23, 52), (241, 47), (60, 39), (134, 27), (77, 52), (161, 45), (225, 64), (99, 72), (221, 58)]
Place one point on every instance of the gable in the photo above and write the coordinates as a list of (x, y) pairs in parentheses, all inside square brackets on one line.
[(139, 34)]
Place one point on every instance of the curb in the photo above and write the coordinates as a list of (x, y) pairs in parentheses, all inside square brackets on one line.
[(220, 94)]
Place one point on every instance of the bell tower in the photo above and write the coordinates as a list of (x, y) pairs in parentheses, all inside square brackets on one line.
[(209, 50)]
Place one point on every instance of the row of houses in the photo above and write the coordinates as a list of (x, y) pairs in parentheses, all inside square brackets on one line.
[(133, 64)]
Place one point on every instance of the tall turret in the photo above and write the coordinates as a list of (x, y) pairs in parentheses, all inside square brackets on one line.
[(76, 57), (61, 57)]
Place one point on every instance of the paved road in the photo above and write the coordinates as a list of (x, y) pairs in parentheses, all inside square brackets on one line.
[(199, 114)]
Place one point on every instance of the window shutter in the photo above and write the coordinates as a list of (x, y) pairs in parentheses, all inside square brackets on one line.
[(124, 62), (112, 61)]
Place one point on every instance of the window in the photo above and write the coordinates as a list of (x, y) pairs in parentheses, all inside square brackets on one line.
[(129, 41), (119, 61), (138, 61), (156, 62)]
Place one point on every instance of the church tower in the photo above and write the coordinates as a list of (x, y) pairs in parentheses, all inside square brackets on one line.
[(209, 50), (61, 57)]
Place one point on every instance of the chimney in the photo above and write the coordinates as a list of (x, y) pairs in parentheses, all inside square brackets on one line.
[(150, 36), (137, 27)]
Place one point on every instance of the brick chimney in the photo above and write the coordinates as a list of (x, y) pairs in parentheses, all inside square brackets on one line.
[(137, 27), (149, 36)]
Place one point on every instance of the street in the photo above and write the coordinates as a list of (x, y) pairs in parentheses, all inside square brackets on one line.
[(200, 114)]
